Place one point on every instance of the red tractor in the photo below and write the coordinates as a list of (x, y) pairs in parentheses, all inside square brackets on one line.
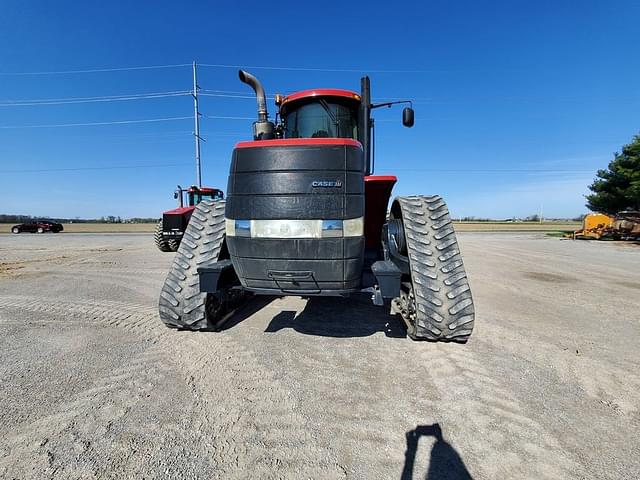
[(305, 216), (170, 229)]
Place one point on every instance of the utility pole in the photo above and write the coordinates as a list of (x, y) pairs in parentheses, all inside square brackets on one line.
[(196, 133)]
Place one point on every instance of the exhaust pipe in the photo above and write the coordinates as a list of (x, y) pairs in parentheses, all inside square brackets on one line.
[(365, 122), (253, 82), (263, 129)]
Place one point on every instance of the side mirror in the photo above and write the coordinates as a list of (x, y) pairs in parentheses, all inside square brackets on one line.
[(175, 195), (407, 117)]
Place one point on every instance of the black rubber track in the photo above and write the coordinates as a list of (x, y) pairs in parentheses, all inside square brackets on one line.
[(161, 242), (443, 304), (181, 303), (174, 244)]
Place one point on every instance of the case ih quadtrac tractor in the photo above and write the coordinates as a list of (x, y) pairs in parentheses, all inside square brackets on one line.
[(170, 229), (305, 216)]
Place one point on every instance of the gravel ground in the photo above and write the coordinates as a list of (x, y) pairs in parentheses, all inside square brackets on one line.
[(93, 386)]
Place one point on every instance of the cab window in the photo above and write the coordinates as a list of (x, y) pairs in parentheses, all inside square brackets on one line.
[(212, 196), (320, 118), (197, 197)]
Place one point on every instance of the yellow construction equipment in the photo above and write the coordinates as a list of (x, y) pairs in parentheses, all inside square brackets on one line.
[(624, 226), (594, 225)]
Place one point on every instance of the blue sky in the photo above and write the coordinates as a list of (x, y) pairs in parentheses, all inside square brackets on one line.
[(517, 103)]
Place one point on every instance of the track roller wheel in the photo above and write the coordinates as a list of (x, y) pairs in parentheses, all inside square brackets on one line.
[(435, 299)]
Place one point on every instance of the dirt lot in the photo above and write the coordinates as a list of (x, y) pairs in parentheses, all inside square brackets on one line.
[(94, 386), (516, 227)]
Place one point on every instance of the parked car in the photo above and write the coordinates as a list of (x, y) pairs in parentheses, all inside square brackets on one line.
[(39, 226)]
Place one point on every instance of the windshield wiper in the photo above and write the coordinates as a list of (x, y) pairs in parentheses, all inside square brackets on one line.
[(327, 109)]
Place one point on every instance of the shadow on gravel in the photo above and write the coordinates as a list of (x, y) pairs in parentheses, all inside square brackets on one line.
[(339, 317), (253, 305), (444, 463)]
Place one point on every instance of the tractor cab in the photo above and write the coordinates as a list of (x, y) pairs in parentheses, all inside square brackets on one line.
[(320, 113), (195, 195)]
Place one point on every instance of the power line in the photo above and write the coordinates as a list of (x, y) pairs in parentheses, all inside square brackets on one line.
[(486, 170), (96, 70), (209, 65), (185, 134), (226, 95), (434, 100), (110, 167), (232, 94), (222, 117), (106, 98), (118, 122), (430, 170), (196, 131), (308, 69), (169, 133)]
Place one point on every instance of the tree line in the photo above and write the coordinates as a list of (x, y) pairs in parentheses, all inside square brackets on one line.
[(8, 218)]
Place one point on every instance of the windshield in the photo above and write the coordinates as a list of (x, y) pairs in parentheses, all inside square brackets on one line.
[(216, 195), (196, 197), (322, 119)]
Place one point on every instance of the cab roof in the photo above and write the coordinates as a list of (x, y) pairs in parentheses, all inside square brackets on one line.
[(193, 188), (320, 92)]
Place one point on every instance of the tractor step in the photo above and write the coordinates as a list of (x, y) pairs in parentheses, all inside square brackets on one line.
[(211, 275)]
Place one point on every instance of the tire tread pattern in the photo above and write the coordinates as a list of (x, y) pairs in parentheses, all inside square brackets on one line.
[(174, 244), (444, 306), (181, 303), (160, 241)]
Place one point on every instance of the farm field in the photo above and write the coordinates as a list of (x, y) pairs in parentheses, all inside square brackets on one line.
[(515, 226), (459, 226), (93, 385), (96, 227)]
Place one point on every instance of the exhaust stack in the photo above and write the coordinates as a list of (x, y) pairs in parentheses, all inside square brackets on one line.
[(365, 122), (262, 128)]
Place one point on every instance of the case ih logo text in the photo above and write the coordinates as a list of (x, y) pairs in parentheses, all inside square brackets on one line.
[(327, 184)]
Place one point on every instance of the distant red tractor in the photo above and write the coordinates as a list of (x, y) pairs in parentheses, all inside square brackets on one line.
[(174, 222)]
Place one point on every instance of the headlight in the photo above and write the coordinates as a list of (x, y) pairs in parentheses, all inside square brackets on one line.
[(354, 227), (230, 227), (295, 228), (286, 228)]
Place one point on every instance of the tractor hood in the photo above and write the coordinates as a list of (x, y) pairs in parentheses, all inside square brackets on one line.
[(179, 211)]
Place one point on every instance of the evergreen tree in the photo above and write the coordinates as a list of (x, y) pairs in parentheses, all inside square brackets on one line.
[(618, 187)]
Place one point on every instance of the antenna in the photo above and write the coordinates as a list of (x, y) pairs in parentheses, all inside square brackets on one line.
[(196, 119)]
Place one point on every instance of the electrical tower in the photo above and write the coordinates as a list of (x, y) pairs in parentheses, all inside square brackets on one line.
[(196, 119)]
